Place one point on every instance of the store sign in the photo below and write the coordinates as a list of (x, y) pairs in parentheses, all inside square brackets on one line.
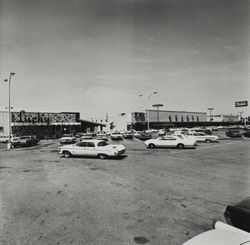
[(43, 117), (241, 103)]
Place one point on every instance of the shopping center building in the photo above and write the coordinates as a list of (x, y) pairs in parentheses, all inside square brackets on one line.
[(46, 124), (158, 119)]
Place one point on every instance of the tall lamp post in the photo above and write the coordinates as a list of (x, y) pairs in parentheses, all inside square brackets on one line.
[(210, 113), (9, 113)]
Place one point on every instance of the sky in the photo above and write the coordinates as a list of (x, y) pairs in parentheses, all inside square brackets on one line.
[(98, 56)]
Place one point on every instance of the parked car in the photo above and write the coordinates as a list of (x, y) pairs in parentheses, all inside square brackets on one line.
[(202, 137), (247, 134), (68, 135), (136, 134), (116, 136), (5, 138), (102, 136), (161, 132), (128, 135), (233, 133), (86, 136), (179, 142), (67, 140), (144, 136), (222, 234), (28, 140), (238, 215), (99, 148)]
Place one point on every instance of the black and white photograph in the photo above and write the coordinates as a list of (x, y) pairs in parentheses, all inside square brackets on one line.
[(124, 122)]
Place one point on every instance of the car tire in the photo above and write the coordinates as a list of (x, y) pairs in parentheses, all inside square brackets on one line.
[(151, 146), (102, 156), (208, 141), (67, 154), (180, 146)]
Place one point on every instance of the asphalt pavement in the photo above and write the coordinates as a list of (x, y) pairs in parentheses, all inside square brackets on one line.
[(150, 196)]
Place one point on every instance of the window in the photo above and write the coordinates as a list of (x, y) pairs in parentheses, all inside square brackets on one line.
[(197, 118), (1, 129), (192, 118), (168, 138), (170, 119), (176, 118), (82, 144), (187, 118), (90, 144), (182, 119), (180, 136), (102, 143)]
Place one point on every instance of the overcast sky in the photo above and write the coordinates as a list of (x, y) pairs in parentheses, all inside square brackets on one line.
[(98, 56)]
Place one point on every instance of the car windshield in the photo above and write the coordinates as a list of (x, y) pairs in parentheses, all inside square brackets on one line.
[(180, 136), (102, 143)]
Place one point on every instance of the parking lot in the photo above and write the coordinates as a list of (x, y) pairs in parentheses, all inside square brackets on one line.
[(150, 196)]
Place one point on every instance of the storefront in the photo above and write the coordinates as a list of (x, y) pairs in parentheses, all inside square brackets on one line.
[(45, 124)]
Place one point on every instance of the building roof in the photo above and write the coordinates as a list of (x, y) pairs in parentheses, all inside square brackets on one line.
[(194, 112), (91, 123)]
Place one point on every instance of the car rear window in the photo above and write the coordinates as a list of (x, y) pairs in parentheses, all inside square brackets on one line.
[(102, 143)]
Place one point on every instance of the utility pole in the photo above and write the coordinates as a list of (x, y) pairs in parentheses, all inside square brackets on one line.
[(9, 112)]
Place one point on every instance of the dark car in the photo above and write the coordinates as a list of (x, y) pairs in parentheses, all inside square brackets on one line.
[(239, 215), (28, 140), (233, 133), (247, 134), (144, 136), (128, 135)]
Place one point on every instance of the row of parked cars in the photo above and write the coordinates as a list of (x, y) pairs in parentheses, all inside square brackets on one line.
[(97, 145), (20, 141)]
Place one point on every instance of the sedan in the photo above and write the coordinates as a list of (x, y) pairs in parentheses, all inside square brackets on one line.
[(222, 234), (179, 142), (99, 148), (202, 137), (116, 136)]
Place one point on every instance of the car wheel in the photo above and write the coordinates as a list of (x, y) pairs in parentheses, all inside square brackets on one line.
[(151, 146), (102, 156), (208, 141), (66, 154), (180, 146)]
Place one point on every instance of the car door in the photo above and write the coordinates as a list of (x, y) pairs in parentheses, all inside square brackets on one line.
[(168, 142), (80, 149), (91, 149)]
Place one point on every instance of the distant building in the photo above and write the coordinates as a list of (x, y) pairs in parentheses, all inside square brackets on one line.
[(164, 118), (223, 118)]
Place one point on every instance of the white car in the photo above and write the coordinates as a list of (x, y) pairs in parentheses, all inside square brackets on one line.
[(99, 148), (222, 234), (202, 137), (178, 141), (5, 138), (116, 136), (67, 140)]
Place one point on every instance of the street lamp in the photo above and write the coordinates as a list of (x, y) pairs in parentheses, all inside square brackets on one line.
[(210, 113), (9, 80)]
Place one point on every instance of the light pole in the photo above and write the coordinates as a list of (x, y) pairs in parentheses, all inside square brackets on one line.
[(9, 80), (210, 113)]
